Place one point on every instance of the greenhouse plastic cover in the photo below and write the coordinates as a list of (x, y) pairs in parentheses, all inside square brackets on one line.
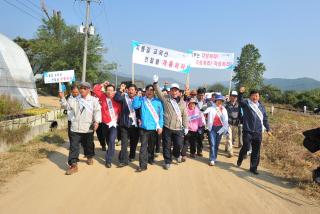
[(16, 75)]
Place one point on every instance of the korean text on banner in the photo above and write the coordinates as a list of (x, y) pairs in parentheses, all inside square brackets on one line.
[(212, 60), (58, 76), (159, 57)]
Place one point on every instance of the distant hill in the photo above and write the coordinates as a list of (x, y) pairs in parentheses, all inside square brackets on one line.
[(147, 80), (300, 84)]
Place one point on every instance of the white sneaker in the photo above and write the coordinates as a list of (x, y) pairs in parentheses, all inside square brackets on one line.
[(211, 163), (179, 159), (166, 166)]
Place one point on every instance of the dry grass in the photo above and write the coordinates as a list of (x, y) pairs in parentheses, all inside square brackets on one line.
[(19, 157), (284, 153), (12, 136), (9, 106)]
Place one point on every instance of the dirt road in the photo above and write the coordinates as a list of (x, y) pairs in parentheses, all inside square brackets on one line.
[(190, 187)]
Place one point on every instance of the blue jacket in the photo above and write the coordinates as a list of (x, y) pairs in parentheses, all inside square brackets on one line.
[(147, 120), (124, 120), (251, 121)]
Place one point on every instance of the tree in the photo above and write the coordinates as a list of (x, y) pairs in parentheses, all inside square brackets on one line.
[(58, 46), (271, 93), (218, 87), (249, 71), (290, 97)]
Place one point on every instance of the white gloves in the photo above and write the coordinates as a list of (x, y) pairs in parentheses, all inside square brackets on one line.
[(186, 131), (155, 78)]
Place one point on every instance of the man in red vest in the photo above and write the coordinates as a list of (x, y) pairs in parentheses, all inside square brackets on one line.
[(110, 112)]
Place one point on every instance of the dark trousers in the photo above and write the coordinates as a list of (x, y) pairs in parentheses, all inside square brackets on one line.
[(110, 134), (118, 133), (158, 143), (132, 134), (100, 134), (148, 139), (171, 138), (191, 139), (253, 139), (69, 129), (200, 140), (86, 139)]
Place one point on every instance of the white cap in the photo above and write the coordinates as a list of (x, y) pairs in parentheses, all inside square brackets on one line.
[(208, 95), (175, 85), (234, 93)]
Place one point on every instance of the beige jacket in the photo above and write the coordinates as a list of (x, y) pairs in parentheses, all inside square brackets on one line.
[(82, 119), (171, 120)]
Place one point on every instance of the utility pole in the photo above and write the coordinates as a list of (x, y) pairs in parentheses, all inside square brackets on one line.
[(84, 66), (86, 32)]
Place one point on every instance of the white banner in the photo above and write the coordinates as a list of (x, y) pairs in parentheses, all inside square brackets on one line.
[(159, 57), (58, 76), (212, 60)]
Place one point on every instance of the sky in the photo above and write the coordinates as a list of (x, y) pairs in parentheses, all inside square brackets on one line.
[(286, 32)]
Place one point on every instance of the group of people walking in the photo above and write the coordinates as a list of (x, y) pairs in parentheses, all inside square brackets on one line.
[(180, 119)]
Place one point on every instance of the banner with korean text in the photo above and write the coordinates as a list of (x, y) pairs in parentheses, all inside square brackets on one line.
[(211, 60), (150, 55), (58, 76)]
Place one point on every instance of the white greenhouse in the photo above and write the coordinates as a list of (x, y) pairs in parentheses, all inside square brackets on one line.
[(16, 76)]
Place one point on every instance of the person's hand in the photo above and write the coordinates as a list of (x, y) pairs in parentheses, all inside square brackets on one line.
[(122, 87), (186, 131), (269, 133), (159, 131), (106, 83), (95, 126), (187, 91), (155, 78), (242, 89), (61, 95)]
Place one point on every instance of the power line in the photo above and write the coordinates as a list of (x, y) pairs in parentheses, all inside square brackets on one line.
[(22, 10), (36, 6), (27, 6)]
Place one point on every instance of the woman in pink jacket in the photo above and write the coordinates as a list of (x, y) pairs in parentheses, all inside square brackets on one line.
[(195, 123)]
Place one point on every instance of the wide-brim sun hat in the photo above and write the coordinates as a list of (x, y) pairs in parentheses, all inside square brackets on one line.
[(219, 97)]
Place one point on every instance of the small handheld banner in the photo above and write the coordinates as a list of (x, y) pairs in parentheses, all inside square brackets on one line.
[(150, 55), (59, 76), (211, 60)]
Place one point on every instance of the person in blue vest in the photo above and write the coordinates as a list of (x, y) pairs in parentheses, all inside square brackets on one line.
[(128, 122), (255, 121), (151, 116)]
